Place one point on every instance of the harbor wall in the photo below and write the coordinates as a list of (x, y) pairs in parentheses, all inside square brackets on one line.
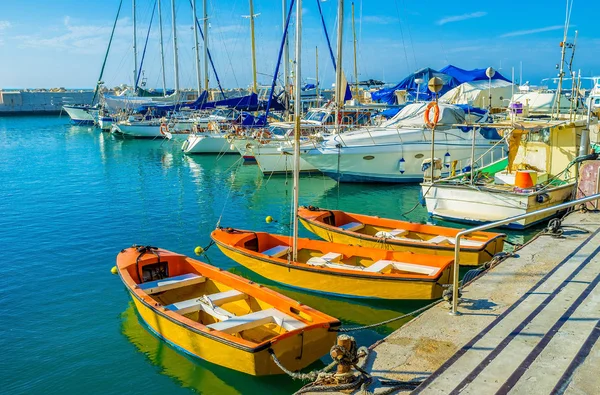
[(25, 102)]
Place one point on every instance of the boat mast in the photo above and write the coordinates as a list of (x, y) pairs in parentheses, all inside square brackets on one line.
[(162, 50), (317, 75), (196, 48), (355, 64), (297, 115), (175, 57), (253, 47), (339, 95), (205, 23), (135, 70), (286, 61), (561, 73)]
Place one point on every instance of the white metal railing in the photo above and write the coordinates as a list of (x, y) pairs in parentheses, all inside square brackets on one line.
[(495, 225)]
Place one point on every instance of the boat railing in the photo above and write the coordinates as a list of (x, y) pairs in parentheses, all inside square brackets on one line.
[(496, 224)]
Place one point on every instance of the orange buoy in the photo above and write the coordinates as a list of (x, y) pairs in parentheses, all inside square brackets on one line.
[(525, 179)]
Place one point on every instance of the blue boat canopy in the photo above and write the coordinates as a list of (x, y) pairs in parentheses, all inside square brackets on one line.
[(470, 75), (386, 95), (249, 102)]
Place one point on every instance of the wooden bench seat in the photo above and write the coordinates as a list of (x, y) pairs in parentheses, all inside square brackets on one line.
[(277, 252), (165, 284), (391, 234), (381, 265), (258, 318), (352, 226), (209, 303), (452, 240), (330, 257)]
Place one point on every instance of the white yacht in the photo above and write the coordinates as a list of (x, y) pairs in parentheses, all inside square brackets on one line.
[(399, 149)]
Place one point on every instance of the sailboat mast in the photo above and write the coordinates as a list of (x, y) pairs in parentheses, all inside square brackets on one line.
[(297, 115), (339, 95), (355, 63), (175, 56), (196, 48), (561, 73), (253, 47), (286, 60), (135, 70), (162, 50), (205, 23), (317, 75)]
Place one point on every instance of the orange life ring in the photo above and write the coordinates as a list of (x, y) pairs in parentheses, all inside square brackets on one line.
[(436, 114), (164, 129)]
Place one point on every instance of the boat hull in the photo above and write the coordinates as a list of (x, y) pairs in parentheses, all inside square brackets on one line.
[(352, 286), (152, 130), (294, 352), (382, 163), (105, 123), (467, 257), (476, 206), (80, 115), (272, 160), (206, 143)]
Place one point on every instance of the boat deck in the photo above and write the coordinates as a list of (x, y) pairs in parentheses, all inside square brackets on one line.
[(530, 325)]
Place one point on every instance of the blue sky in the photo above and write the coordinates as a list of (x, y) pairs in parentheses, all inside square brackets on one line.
[(62, 42)]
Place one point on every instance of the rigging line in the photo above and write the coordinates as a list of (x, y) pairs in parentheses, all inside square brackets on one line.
[(401, 32), (218, 33), (235, 43), (230, 189), (326, 35), (209, 55), (145, 46), (281, 47), (107, 51), (412, 45)]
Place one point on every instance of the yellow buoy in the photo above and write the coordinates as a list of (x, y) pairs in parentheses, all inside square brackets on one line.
[(269, 219), (198, 250), (114, 270)]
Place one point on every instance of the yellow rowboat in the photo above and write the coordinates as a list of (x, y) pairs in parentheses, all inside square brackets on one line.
[(220, 317), (375, 232), (337, 269)]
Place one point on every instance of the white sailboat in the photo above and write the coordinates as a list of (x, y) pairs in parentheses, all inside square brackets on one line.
[(212, 137)]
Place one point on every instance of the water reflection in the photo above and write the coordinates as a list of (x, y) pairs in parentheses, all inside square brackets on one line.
[(193, 373)]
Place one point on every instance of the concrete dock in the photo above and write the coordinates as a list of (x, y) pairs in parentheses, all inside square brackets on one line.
[(528, 326)]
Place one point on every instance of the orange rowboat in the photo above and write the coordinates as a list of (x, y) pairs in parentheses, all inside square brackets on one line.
[(368, 231), (338, 269), (220, 317)]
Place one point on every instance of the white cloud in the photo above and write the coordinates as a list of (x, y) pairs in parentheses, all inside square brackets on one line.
[(463, 17), (533, 31), (379, 20), (5, 25)]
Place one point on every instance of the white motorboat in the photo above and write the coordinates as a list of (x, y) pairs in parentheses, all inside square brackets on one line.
[(397, 150)]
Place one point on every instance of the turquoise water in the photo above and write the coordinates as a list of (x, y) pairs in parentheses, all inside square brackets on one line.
[(72, 197)]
